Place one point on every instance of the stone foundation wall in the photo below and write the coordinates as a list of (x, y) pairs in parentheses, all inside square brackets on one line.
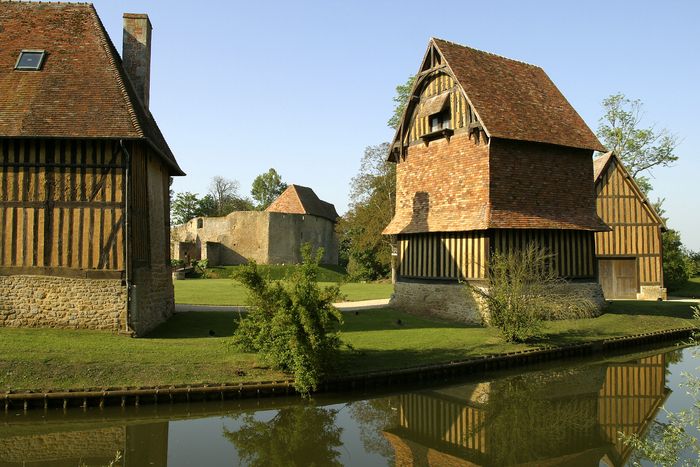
[(454, 302), (652, 292), (62, 302), (449, 301), (152, 298)]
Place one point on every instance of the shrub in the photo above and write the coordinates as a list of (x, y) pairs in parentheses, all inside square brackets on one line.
[(292, 324), (201, 267), (176, 263), (678, 265), (523, 290)]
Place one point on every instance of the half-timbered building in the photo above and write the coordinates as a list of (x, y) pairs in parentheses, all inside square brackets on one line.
[(84, 174), (490, 156), (629, 255)]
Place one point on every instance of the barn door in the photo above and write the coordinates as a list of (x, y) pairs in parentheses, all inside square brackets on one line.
[(618, 278)]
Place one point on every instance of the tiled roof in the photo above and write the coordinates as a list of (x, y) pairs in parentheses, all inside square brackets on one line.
[(81, 91), (515, 100), (297, 199)]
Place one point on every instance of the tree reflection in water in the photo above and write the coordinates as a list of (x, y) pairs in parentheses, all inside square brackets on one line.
[(296, 436), (374, 416)]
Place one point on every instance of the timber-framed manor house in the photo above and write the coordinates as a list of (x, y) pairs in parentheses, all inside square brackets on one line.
[(490, 156), (84, 174)]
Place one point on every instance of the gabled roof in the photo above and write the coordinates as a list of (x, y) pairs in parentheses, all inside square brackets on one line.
[(81, 91), (514, 100), (600, 167), (297, 199)]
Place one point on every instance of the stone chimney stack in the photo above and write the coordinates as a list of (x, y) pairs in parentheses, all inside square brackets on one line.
[(136, 53)]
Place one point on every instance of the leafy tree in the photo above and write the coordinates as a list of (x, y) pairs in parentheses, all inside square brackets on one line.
[(678, 265), (292, 324), (523, 290), (640, 149), (373, 194), (266, 188), (296, 436), (184, 207), (403, 92)]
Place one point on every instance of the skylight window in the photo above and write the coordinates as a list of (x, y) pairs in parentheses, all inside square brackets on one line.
[(30, 60)]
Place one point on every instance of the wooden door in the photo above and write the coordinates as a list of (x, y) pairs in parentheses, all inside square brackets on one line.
[(618, 278)]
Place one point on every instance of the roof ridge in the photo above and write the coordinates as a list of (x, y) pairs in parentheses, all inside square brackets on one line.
[(486, 52), (108, 46)]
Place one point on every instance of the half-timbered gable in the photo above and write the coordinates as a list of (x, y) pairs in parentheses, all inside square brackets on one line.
[(84, 174), (490, 157), (630, 254)]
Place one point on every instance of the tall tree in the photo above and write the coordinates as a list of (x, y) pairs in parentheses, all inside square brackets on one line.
[(640, 149), (184, 207), (223, 192), (267, 187), (400, 100), (373, 194)]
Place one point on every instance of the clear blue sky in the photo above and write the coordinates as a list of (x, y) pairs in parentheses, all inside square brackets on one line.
[(239, 87)]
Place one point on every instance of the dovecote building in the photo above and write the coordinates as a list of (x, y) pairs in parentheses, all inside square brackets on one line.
[(84, 174), (490, 156)]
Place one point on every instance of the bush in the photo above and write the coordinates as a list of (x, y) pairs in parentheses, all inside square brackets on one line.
[(292, 324), (523, 290), (678, 265)]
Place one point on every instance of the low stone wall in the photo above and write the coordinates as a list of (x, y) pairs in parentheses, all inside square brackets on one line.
[(652, 292), (449, 301), (62, 302), (454, 302)]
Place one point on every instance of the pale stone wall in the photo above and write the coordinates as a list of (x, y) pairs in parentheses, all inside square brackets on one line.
[(454, 302), (264, 237), (652, 292), (444, 300), (62, 302)]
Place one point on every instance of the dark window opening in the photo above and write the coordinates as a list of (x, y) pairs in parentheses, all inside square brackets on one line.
[(30, 60), (200, 223), (440, 121)]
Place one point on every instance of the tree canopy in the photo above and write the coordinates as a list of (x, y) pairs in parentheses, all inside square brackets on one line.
[(640, 148), (266, 188), (400, 100), (373, 194)]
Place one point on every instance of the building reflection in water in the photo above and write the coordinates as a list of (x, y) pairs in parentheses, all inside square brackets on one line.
[(565, 417), (568, 416)]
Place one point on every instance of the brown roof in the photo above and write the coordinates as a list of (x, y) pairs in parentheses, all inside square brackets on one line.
[(81, 91), (297, 199), (516, 100)]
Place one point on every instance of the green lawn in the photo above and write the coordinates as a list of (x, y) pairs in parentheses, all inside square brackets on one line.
[(182, 350), (230, 292), (326, 272), (691, 289)]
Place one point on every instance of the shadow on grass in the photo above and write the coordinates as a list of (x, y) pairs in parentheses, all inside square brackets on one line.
[(383, 319), (649, 308), (196, 324)]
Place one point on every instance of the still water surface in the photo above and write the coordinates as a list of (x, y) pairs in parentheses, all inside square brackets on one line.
[(563, 414)]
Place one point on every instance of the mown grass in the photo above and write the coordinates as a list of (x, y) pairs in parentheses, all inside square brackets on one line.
[(326, 272), (230, 292), (690, 289), (184, 351)]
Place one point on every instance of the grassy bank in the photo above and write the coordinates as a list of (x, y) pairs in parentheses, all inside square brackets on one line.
[(326, 272), (230, 292), (691, 289), (182, 350)]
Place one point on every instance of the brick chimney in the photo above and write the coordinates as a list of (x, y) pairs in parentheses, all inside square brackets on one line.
[(136, 53)]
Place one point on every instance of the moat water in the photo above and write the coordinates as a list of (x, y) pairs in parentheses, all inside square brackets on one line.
[(567, 414)]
